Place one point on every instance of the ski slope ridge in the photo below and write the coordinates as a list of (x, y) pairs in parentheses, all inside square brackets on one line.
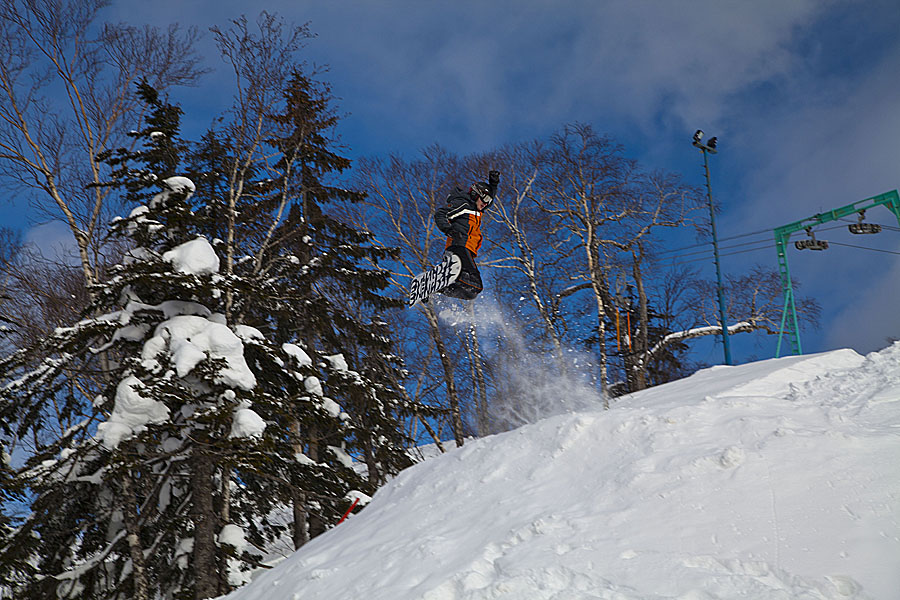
[(775, 479)]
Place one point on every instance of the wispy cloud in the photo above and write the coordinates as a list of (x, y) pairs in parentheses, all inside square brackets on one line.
[(803, 94), (53, 240)]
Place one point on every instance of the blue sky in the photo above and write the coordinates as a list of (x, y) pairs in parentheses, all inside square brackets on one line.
[(804, 96)]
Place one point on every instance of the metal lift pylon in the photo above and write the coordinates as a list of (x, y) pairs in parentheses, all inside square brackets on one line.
[(789, 323)]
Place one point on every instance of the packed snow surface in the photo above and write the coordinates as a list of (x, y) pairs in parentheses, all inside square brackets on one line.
[(776, 479)]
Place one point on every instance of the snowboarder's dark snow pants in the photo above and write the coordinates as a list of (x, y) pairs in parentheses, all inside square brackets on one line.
[(468, 284)]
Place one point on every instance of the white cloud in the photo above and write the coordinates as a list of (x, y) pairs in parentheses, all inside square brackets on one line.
[(870, 316), (473, 75), (833, 152), (802, 94), (54, 241)]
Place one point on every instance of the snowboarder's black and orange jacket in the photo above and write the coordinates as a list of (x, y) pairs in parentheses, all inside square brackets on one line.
[(461, 220)]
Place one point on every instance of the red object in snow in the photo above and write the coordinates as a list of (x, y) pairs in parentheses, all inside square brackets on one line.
[(347, 514)]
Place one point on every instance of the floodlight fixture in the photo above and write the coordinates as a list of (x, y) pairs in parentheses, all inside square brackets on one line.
[(698, 135), (712, 142)]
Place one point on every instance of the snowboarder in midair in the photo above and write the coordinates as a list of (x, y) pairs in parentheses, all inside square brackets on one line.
[(460, 220)]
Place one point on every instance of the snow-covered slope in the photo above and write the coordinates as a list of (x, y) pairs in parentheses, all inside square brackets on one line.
[(777, 479)]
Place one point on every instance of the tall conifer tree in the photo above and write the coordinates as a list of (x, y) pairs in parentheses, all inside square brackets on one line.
[(136, 499), (306, 286), (218, 395)]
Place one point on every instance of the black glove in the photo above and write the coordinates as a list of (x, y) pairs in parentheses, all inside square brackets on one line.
[(494, 177)]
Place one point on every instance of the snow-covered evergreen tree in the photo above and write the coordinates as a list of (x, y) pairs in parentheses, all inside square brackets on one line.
[(10, 492), (204, 399), (125, 502), (306, 287)]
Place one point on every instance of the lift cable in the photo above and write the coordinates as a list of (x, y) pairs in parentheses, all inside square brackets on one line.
[(761, 231), (725, 239), (865, 248), (733, 237), (765, 246), (704, 253), (886, 227), (664, 261)]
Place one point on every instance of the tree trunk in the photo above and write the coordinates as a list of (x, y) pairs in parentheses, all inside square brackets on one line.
[(598, 284), (317, 525), (431, 432), (452, 395), (206, 582), (640, 365), (422, 419), (530, 270), (546, 317), (132, 527), (301, 520), (481, 386), (375, 477), (302, 516)]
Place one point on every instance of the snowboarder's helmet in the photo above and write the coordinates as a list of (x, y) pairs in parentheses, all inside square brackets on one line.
[(481, 190)]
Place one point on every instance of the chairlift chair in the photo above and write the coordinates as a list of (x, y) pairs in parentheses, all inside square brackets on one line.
[(812, 243), (864, 228)]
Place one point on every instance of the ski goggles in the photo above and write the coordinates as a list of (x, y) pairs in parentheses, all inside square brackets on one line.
[(483, 196)]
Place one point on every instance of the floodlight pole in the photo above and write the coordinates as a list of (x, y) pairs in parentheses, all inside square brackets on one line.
[(720, 289)]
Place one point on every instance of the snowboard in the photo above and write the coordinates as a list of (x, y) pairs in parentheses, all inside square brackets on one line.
[(435, 279)]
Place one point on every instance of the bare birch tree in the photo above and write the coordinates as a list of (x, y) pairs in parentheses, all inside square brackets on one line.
[(755, 303), (401, 199), (587, 191), (534, 255), (67, 94), (659, 200)]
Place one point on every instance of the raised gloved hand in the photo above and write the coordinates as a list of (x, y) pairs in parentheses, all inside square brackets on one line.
[(494, 177)]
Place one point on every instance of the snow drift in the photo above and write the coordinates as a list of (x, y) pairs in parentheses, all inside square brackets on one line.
[(777, 479)]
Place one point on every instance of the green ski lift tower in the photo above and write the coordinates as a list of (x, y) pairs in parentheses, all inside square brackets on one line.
[(789, 325)]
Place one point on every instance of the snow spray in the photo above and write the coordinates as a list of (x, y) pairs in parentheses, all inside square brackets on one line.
[(530, 382)]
